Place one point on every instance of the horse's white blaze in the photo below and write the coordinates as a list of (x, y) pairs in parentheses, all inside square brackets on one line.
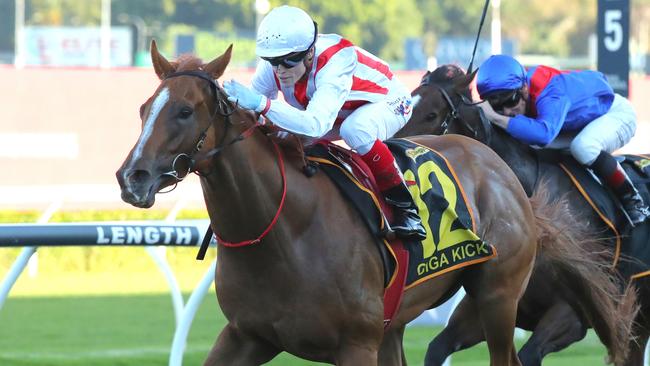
[(416, 99), (156, 107)]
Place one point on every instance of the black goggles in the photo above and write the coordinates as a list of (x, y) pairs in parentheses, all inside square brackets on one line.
[(293, 59), (508, 99), (288, 61)]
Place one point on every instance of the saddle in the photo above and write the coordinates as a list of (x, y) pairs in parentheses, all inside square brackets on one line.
[(606, 205), (441, 202)]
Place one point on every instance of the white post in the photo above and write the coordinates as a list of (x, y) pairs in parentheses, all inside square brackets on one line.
[(32, 266), (192, 306), (19, 35), (105, 42), (24, 257), (495, 27)]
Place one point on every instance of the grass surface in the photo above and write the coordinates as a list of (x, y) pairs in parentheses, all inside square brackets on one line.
[(137, 329)]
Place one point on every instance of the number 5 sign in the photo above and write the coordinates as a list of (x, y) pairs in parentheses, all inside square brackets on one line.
[(613, 43)]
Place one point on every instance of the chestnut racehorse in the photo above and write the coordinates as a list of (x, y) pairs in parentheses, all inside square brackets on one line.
[(553, 308), (301, 273)]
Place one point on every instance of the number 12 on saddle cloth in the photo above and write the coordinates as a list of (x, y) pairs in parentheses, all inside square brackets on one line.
[(451, 241)]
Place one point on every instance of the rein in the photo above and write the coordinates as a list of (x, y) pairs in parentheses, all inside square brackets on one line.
[(225, 110)]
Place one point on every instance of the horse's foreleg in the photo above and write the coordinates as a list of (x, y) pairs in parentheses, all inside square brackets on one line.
[(235, 349), (559, 327), (357, 355), (463, 331), (391, 352), (498, 315)]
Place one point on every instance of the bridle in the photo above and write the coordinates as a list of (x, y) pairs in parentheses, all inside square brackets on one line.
[(225, 110), (454, 115)]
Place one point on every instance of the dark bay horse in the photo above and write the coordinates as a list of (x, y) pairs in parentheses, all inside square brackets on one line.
[(298, 271), (551, 306)]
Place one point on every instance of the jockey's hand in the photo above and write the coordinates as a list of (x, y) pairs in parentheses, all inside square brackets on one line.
[(492, 116), (487, 109), (245, 97)]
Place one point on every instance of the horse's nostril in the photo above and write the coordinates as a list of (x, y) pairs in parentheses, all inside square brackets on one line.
[(136, 177)]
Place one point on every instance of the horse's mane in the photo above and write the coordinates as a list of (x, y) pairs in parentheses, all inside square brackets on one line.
[(447, 73)]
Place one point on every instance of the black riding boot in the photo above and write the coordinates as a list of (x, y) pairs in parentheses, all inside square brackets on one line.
[(406, 221), (611, 172), (636, 209)]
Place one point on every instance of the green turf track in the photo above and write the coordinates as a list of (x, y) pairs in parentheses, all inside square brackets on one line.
[(137, 330)]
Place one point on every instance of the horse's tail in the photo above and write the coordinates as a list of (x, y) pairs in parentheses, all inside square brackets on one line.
[(581, 262)]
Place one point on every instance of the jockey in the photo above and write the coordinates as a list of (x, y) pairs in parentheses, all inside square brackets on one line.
[(576, 110), (332, 90)]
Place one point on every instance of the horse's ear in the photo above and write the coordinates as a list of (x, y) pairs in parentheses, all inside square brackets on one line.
[(217, 66), (160, 64), (463, 83)]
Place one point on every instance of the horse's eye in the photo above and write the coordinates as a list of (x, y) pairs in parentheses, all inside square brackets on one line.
[(185, 112), (431, 116)]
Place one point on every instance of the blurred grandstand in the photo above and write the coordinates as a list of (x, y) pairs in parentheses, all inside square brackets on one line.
[(75, 72)]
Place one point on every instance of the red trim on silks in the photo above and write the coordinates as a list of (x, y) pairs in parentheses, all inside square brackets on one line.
[(300, 92), (359, 84), (540, 79), (277, 214), (382, 165), (374, 64), (329, 52), (617, 178), (354, 104), (267, 106), (394, 293)]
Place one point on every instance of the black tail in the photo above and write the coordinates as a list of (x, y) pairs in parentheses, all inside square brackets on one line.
[(581, 262)]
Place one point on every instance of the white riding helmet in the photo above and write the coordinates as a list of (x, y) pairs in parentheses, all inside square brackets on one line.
[(286, 29)]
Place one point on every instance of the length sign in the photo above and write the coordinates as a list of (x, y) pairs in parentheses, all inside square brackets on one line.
[(98, 233)]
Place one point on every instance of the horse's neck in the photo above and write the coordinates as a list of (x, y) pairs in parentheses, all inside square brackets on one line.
[(243, 190), (518, 156)]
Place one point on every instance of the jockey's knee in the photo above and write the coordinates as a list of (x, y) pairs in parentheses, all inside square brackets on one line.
[(357, 137), (585, 150)]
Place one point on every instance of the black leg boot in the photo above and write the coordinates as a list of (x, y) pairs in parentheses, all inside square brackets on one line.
[(406, 222), (611, 173)]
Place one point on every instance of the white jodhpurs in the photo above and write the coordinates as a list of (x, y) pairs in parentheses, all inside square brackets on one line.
[(380, 120), (609, 132)]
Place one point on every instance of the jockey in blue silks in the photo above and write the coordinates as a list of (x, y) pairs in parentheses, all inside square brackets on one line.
[(576, 110)]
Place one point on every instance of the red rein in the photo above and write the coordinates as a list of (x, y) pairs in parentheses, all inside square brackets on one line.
[(277, 214)]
